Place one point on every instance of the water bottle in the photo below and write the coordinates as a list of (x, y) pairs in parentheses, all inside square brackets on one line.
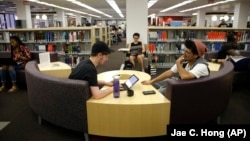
[(116, 87)]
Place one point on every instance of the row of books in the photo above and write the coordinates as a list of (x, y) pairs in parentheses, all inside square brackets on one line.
[(242, 36), (42, 36), (163, 47), (64, 47), (163, 35), (216, 36), (71, 60)]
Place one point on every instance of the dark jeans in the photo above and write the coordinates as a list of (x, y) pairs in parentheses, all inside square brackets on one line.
[(11, 72), (242, 65)]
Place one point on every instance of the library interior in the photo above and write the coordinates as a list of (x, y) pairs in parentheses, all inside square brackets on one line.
[(52, 40)]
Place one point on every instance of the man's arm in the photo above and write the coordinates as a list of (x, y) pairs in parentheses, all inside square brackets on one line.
[(104, 83), (184, 74), (164, 75), (143, 48), (97, 93)]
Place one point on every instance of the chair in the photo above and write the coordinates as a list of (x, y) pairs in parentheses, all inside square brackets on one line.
[(145, 59), (202, 100)]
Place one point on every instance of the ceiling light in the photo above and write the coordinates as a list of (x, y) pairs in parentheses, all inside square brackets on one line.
[(226, 18), (151, 15), (151, 3), (207, 5), (232, 18), (214, 18), (88, 7), (37, 17), (44, 17), (113, 4), (178, 5), (59, 7)]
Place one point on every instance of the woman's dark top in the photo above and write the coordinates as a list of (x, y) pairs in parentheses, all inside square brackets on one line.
[(222, 54), (136, 45)]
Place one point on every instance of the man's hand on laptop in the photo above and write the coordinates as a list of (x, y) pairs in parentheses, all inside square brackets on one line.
[(121, 88)]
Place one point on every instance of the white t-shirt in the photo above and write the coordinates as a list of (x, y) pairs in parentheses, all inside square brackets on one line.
[(198, 70)]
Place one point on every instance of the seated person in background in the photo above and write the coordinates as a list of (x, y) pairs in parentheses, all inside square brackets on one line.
[(223, 23), (88, 23), (136, 50), (86, 70), (196, 66), (229, 51), (20, 55)]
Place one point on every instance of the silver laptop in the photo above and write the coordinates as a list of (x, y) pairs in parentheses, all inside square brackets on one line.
[(130, 82)]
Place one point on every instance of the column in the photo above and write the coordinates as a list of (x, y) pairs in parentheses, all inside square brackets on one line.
[(78, 19), (200, 21), (137, 21), (23, 13), (240, 15), (61, 17), (89, 19)]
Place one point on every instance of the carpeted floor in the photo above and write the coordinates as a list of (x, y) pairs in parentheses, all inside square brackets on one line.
[(23, 125)]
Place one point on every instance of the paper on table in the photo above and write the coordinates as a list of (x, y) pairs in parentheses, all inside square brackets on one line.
[(44, 58), (214, 67)]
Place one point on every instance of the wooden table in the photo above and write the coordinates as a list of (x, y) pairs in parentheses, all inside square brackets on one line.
[(57, 69), (136, 116), (214, 67)]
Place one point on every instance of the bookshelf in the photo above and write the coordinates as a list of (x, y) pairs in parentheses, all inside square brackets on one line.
[(164, 43), (71, 43)]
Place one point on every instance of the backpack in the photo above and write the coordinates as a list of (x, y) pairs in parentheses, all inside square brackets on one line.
[(128, 65)]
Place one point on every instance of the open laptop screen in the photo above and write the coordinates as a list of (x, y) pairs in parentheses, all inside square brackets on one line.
[(131, 81), (135, 50)]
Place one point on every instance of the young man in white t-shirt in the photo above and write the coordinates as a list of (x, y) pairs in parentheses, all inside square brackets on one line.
[(195, 67)]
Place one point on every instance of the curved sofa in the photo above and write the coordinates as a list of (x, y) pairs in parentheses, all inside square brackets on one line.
[(60, 101), (20, 74), (200, 101), (240, 78)]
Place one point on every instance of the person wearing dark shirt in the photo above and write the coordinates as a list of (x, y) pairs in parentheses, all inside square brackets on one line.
[(20, 55), (230, 49), (223, 23), (140, 53), (86, 70), (87, 23)]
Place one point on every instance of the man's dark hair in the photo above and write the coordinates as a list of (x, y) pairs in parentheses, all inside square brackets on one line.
[(136, 34), (191, 45)]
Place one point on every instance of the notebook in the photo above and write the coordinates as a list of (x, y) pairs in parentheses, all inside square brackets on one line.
[(130, 82), (135, 50)]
